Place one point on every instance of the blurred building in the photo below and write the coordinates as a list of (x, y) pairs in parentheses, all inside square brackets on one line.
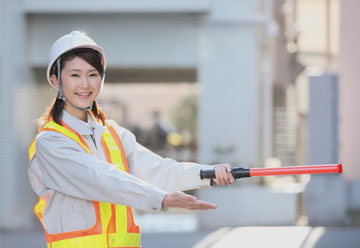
[(243, 54), (349, 114)]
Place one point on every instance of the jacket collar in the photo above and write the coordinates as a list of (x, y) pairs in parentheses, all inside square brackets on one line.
[(79, 126)]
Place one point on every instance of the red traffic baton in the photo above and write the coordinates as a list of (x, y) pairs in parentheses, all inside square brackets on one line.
[(239, 172)]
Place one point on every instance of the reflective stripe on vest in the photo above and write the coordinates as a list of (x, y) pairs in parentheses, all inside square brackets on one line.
[(114, 226)]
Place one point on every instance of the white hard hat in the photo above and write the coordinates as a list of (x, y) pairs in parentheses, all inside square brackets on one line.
[(68, 42)]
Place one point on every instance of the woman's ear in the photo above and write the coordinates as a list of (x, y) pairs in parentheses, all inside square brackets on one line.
[(54, 81)]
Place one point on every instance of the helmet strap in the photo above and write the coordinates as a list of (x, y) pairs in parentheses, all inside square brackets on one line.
[(60, 90), (61, 94)]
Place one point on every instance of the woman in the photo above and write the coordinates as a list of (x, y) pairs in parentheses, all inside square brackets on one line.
[(88, 171)]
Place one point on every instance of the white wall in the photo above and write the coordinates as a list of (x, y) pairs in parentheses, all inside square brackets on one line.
[(349, 89), (229, 98), (349, 54), (115, 6), (228, 67), (129, 40)]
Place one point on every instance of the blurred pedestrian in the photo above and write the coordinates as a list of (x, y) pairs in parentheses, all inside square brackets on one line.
[(88, 171)]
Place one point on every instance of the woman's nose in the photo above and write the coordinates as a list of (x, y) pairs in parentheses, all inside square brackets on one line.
[(84, 82)]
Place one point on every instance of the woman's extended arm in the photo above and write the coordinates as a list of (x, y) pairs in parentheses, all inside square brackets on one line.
[(166, 173)]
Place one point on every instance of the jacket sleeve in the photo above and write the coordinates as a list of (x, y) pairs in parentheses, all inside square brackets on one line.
[(66, 168), (164, 173)]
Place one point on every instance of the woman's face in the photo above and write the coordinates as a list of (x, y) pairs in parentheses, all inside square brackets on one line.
[(81, 83)]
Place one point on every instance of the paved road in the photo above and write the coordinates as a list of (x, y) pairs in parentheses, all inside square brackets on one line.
[(248, 237), (283, 237)]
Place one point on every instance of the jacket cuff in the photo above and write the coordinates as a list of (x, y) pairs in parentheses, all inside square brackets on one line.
[(156, 204)]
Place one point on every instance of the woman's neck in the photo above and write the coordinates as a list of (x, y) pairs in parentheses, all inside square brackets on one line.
[(82, 115)]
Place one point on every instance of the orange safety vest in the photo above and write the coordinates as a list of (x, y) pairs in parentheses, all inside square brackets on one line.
[(114, 226)]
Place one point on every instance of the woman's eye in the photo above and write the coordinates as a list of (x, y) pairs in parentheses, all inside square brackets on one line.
[(93, 75), (75, 75)]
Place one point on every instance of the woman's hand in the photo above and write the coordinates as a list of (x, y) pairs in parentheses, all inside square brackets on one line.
[(223, 174), (181, 200)]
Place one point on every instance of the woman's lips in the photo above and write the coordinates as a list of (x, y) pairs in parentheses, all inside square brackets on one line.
[(83, 95)]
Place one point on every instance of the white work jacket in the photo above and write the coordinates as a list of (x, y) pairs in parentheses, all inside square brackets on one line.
[(72, 179)]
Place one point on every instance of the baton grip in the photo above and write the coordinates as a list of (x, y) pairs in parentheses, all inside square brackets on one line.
[(204, 174), (237, 172)]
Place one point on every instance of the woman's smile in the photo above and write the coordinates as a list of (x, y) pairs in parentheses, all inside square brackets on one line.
[(84, 95)]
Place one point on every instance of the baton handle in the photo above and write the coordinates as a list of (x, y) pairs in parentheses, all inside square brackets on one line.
[(239, 172)]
